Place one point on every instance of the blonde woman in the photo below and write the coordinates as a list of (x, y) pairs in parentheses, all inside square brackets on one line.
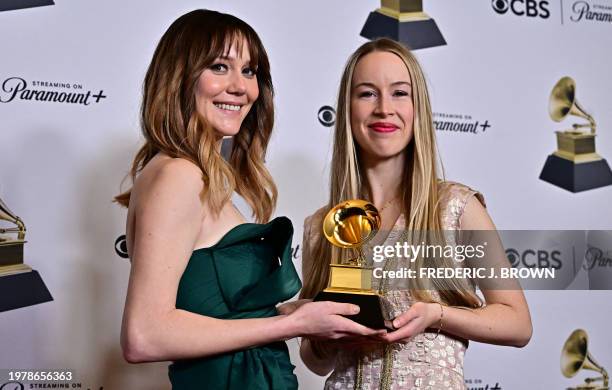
[(204, 284), (384, 151)]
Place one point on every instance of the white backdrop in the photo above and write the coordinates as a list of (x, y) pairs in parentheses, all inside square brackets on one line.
[(61, 164)]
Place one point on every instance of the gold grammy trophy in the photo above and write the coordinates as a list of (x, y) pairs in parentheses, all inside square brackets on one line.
[(574, 166), (20, 285), (405, 22), (575, 356), (349, 225)]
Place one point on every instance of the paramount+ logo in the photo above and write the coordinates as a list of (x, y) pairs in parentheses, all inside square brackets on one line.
[(526, 8)]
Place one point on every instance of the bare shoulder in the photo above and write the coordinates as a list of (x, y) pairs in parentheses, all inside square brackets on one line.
[(176, 171), (475, 216), (172, 178), (165, 204), (167, 193)]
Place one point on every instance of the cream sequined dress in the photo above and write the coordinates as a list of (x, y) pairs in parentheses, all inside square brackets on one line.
[(425, 362)]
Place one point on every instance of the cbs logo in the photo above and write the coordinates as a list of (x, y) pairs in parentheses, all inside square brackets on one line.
[(327, 116), (530, 8), (530, 258), (121, 247)]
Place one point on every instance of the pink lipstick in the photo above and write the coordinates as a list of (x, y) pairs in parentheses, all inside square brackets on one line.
[(383, 127)]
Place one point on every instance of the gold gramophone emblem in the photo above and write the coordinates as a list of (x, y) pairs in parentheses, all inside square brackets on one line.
[(573, 145), (12, 240), (405, 22), (350, 225), (575, 165), (575, 356), (20, 285)]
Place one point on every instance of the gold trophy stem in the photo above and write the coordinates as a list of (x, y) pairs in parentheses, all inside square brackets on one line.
[(360, 260)]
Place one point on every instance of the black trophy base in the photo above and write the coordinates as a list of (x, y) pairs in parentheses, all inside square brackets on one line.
[(576, 177), (20, 290), (418, 34), (9, 5), (370, 313)]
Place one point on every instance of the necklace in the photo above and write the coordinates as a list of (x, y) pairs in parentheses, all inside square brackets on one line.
[(389, 202)]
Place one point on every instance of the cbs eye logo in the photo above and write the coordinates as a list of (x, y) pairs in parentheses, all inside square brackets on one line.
[(534, 258), (121, 247), (500, 6), (327, 116), (513, 257), (530, 8)]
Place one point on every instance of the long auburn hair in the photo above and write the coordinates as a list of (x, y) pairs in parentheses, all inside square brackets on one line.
[(420, 203), (171, 124)]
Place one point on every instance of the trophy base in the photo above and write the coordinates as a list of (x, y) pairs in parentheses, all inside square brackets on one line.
[(24, 289), (416, 34), (11, 252), (576, 177), (20, 4), (370, 313)]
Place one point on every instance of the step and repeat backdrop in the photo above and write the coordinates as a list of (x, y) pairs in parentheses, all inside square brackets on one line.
[(504, 76)]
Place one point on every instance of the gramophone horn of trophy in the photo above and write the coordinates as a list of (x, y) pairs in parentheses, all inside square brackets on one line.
[(575, 356), (20, 285), (405, 22), (574, 166), (349, 225)]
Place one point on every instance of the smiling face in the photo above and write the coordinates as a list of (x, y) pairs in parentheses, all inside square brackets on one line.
[(226, 91), (381, 107)]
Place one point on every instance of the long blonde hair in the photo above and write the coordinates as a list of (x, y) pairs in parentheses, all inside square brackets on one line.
[(171, 124), (420, 176)]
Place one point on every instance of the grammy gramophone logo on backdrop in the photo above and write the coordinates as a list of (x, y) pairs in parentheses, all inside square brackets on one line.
[(575, 165), (405, 22), (20, 285), (576, 356)]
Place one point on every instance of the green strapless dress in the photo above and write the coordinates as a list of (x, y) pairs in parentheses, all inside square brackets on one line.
[(245, 275)]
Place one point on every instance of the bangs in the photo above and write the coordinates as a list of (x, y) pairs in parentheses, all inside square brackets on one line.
[(233, 37)]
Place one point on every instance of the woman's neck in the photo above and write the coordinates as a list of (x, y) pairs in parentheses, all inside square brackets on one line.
[(384, 178)]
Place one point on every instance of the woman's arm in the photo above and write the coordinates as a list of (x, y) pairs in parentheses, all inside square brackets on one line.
[(320, 365), (168, 214), (504, 320)]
